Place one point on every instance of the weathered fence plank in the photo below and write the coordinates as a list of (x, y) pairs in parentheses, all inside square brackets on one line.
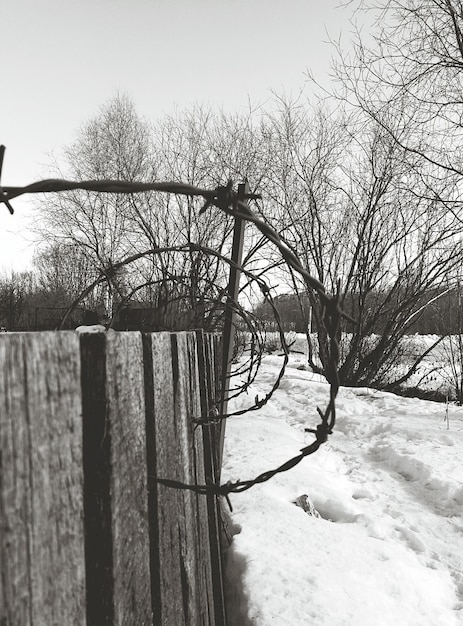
[(210, 397), (188, 531), (183, 556), (87, 533), (193, 382), (41, 521), (115, 480), (161, 430)]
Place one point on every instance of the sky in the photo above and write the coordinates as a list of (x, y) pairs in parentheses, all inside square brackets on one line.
[(387, 546), (63, 60)]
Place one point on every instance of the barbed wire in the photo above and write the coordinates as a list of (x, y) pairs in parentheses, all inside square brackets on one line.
[(321, 432), (54, 185), (111, 271), (235, 205)]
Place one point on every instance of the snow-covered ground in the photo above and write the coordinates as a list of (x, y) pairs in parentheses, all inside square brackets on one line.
[(388, 547)]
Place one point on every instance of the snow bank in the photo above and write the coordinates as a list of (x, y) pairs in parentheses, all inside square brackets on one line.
[(388, 548)]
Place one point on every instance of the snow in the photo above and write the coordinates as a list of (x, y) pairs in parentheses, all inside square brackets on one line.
[(95, 328), (388, 547)]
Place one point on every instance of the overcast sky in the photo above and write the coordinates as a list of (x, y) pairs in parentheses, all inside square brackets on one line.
[(62, 60)]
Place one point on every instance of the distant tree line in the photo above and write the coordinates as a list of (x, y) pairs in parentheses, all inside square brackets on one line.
[(27, 303), (32, 301), (442, 316)]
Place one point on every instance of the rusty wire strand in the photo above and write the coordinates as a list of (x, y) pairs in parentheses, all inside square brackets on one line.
[(54, 185), (321, 432), (112, 270), (229, 202)]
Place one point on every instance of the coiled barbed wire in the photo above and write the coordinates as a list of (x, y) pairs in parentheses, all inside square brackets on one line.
[(227, 200), (112, 270)]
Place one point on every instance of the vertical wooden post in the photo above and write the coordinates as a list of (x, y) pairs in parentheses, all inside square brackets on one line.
[(183, 587), (117, 550), (207, 387), (230, 316), (42, 568)]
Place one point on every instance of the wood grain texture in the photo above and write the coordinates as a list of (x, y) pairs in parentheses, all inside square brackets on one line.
[(186, 518), (153, 521), (87, 534), (168, 599), (210, 397), (125, 381), (117, 549), (41, 482), (183, 554), (97, 482), (200, 523)]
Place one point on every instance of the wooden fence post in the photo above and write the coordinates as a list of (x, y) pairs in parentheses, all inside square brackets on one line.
[(181, 555), (115, 480), (208, 386), (42, 577)]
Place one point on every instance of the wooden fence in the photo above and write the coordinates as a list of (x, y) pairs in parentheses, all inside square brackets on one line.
[(87, 534)]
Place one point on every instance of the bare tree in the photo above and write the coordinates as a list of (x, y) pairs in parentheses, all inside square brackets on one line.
[(405, 78), (198, 147), (15, 292), (206, 149), (114, 145), (353, 207), (408, 78), (62, 268), (354, 204)]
